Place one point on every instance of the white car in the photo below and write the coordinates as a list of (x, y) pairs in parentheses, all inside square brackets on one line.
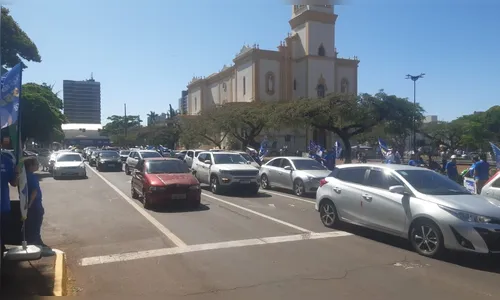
[(69, 164), (190, 156), (224, 170)]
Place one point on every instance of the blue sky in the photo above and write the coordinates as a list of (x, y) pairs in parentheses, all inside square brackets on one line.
[(145, 52)]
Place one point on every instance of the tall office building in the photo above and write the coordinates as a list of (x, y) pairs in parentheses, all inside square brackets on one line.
[(183, 103), (82, 101)]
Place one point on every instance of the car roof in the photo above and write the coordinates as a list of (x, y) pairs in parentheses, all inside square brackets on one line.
[(395, 167), (146, 151), (222, 152), (162, 158), (294, 157)]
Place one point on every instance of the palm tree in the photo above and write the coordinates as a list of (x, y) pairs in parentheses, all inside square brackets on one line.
[(152, 118)]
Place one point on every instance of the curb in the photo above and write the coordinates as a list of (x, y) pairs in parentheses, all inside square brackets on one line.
[(60, 274)]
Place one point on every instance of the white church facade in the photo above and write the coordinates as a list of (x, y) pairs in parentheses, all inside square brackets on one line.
[(306, 64)]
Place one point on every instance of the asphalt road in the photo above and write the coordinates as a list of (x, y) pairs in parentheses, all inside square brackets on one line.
[(271, 246)]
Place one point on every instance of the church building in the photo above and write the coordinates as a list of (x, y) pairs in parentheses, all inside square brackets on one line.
[(306, 64)]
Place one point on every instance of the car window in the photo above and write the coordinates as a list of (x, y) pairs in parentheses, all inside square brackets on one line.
[(132, 154), (285, 162), (69, 157), (202, 157), (150, 154), (197, 153), (190, 154), (275, 163), (307, 164), (496, 183), (380, 179), (432, 183), (354, 175), (166, 167)]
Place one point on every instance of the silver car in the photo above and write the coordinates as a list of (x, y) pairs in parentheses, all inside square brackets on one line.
[(432, 211), (68, 164), (492, 187), (299, 174)]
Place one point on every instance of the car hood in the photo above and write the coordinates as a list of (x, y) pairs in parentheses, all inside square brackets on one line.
[(169, 179), (236, 167), (68, 163), (475, 204), (315, 173)]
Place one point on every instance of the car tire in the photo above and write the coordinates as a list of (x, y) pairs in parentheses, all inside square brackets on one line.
[(146, 202), (298, 187), (264, 182), (214, 185), (426, 238), (127, 170), (134, 193), (328, 213)]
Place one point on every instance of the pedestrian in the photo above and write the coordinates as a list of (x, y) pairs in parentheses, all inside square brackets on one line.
[(451, 168), (481, 172), (35, 208), (8, 176)]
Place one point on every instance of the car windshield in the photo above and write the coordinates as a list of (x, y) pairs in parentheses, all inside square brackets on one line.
[(69, 157), (247, 157), (110, 154), (124, 152), (432, 183), (225, 158), (166, 166), (150, 154), (95, 153), (196, 153), (307, 164)]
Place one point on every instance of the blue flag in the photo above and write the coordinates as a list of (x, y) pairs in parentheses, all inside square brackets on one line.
[(383, 148), (9, 96), (338, 149), (496, 154)]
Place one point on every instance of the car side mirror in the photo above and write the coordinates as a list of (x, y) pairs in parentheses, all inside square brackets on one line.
[(208, 162), (287, 168), (398, 189)]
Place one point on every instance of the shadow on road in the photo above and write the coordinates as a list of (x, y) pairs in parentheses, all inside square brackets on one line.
[(43, 175), (285, 191), (25, 279), (181, 208), (241, 193), (487, 263)]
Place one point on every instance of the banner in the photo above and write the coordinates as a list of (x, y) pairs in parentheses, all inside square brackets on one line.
[(496, 154), (10, 115), (383, 148)]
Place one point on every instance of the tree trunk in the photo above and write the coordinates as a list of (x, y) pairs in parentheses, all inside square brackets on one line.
[(347, 148)]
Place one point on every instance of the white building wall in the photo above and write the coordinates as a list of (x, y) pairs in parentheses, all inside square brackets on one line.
[(321, 33), (299, 75), (317, 68), (213, 95), (348, 73), (244, 82), (265, 66), (299, 45), (194, 101)]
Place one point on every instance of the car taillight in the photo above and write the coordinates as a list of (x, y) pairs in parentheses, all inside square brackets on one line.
[(322, 182)]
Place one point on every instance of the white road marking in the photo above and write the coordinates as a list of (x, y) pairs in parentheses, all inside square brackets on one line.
[(272, 205), (106, 259), (169, 234), (258, 214), (290, 197)]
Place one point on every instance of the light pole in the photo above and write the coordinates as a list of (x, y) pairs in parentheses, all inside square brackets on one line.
[(414, 78)]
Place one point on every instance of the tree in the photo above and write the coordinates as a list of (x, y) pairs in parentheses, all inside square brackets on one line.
[(41, 116), (346, 116), (118, 125), (171, 112), (16, 44), (160, 135), (450, 134), (203, 127), (152, 118)]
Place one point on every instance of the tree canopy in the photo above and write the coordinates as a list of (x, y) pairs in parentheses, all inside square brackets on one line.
[(16, 44), (118, 125)]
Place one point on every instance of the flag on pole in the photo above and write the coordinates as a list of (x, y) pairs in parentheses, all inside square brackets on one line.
[(383, 148), (10, 108), (338, 149), (496, 154)]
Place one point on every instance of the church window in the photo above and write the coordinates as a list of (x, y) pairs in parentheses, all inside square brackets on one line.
[(321, 50), (244, 85), (320, 89), (294, 84), (344, 86)]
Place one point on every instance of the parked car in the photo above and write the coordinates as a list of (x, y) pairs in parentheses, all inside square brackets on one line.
[(248, 158), (223, 170), (124, 154), (108, 160), (190, 156), (432, 211), (135, 156), (164, 180), (69, 164), (93, 157), (302, 175), (492, 187)]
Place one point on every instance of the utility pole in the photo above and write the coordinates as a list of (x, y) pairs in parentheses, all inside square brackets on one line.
[(125, 120), (414, 78)]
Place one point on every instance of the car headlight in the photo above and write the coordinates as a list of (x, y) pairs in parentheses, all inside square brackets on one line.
[(466, 216), (194, 187)]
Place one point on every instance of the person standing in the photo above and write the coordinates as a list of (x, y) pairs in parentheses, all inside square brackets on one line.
[(451, 168), (8, 176), (481, 172), (35, 208)]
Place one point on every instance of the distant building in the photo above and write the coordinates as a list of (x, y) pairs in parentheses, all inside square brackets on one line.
[(183, 103), (431, 119), (82, 101), (160, 119), (84, 135)]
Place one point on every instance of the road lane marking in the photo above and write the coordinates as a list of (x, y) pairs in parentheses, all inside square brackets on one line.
[(290, 197), (258, 214), (169, 234), (106, 259)]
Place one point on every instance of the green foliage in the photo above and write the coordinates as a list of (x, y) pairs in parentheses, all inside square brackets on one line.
[(119, 125), (205, 127), (152, 118), (15, 43), (41, 115)]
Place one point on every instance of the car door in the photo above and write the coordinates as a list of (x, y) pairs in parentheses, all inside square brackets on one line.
[(201, 167), (285, 177), (138, 178), (382, 209), (189, 158), (492, 189), (346, 192), (134, 160), (273, 174)]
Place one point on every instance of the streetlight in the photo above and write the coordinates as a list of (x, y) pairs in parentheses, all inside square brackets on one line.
[(414, 78)]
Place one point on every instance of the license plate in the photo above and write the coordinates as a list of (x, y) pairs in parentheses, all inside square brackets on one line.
[(178, 196), (245, 181)]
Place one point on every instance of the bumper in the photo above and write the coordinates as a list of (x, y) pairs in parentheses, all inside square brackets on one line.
[(311, 186), (238, 181), (76, 172), (111, 165), (163, 198), (472, 237)]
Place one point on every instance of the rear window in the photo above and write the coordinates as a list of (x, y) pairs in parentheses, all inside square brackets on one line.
[(150, 154), (353, 175)]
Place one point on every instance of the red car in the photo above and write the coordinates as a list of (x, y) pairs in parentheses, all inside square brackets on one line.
[(162, 180)]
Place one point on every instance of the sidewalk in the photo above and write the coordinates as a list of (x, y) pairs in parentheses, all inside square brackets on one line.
[(44, 277)]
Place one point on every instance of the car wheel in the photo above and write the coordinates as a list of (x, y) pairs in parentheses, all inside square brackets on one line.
[(298, 187), (426, 238), (328, 214), (127, 170), (214, 185), (146, 202), (264, 182), (134, 193)]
